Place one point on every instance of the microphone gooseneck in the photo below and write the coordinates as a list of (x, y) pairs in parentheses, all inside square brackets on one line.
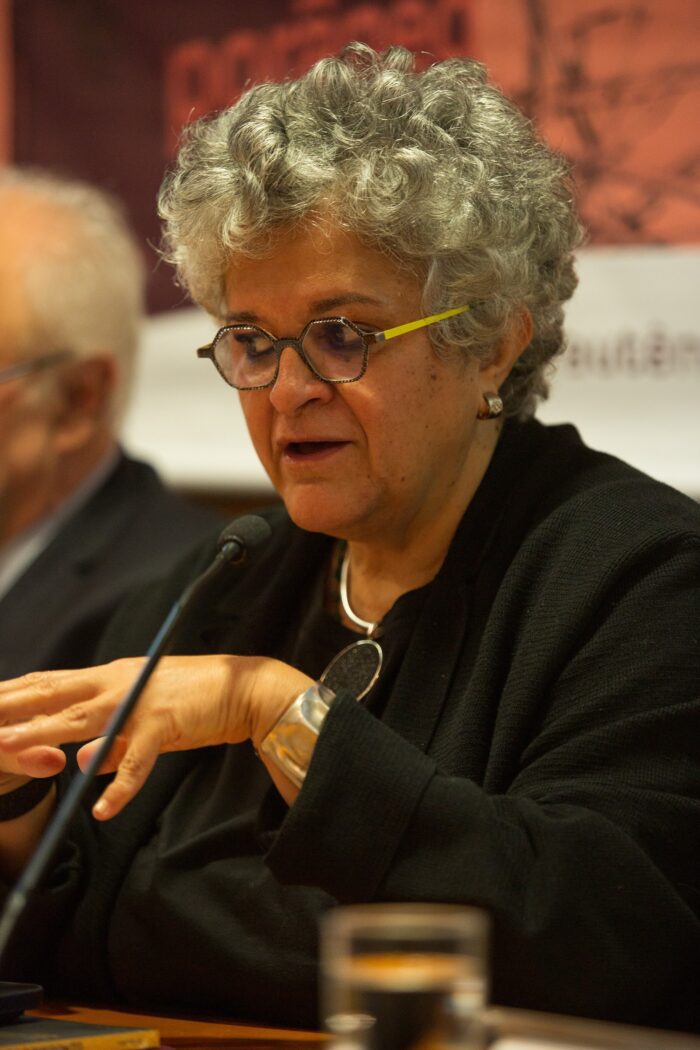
[(236, 540)]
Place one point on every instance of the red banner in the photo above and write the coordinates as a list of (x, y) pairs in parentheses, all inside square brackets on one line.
[(101, 88)]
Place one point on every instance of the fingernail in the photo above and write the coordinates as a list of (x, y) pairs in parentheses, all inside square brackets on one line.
[(100, 809)]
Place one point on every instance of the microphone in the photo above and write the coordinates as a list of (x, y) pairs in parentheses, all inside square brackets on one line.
[(235, 542), (242, 535)]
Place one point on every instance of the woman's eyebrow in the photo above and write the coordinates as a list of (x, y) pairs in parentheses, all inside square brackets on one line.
[(240, 315), (319, 306)]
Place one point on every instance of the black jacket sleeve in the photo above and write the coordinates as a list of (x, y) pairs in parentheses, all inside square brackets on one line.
[(586, 855)]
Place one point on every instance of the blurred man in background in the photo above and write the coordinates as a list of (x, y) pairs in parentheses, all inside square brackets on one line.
[(80, 522)]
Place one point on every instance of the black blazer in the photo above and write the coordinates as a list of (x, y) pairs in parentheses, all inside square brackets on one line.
[(537, 757), (130, 531)]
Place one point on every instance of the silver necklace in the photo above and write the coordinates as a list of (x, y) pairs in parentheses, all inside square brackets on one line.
[(367, 626)]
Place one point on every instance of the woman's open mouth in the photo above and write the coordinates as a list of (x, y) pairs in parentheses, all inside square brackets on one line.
[(306, 450)]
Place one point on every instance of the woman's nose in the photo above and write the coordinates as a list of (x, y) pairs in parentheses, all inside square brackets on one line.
[(296, 384)]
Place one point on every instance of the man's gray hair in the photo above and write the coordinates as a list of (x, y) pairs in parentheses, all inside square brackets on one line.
[(437, 169), (85, 284)]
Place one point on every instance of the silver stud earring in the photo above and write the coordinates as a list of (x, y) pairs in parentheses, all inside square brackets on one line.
[(493, 409)]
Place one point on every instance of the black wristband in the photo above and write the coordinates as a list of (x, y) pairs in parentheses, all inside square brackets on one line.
[(23, 799)]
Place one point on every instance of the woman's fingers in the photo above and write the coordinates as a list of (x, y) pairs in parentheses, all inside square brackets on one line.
[(49, 692), (35, 762), (87, 752), (60, 707), (133, 769), (191, 702), (35, 680), (42, 692), (42, 761), (79, 722)]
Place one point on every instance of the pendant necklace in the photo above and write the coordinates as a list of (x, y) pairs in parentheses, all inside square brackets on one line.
[(372, 630)]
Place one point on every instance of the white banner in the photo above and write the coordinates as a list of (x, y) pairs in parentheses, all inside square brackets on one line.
[(630, 379)]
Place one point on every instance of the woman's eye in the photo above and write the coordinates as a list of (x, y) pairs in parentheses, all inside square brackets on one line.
[(338, 338), (253, 344)]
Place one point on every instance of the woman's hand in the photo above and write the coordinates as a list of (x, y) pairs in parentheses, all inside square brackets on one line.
[(190, 702)]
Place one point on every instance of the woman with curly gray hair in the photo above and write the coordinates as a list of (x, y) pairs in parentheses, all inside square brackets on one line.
[(436, 171), (387, 253)]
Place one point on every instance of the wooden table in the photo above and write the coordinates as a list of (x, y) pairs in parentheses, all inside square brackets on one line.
[(194, 1034), (497, 1023)]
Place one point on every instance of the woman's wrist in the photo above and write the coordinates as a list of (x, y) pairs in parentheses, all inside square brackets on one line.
[(273, 689)]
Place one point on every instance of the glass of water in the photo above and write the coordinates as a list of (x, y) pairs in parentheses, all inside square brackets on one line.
[(402, 976)]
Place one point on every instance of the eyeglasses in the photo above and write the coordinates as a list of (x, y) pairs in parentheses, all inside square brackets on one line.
[(24, 368), (335, 349)]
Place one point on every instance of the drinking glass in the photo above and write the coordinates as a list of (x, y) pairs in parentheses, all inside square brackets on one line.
[(402, 976)]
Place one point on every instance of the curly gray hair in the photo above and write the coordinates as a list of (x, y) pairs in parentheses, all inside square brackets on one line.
[(437, 169)]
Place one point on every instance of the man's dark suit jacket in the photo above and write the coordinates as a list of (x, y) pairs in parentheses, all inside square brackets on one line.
[(131, 530)]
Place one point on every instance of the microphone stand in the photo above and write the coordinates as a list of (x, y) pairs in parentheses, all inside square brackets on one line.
[(234, 542)]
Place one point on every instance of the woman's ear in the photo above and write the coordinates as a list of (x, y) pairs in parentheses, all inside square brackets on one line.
[(495, 371)]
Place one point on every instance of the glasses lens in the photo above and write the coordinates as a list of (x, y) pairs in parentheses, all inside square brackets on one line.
[(335, 350), (245, 357), (35, 364)]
